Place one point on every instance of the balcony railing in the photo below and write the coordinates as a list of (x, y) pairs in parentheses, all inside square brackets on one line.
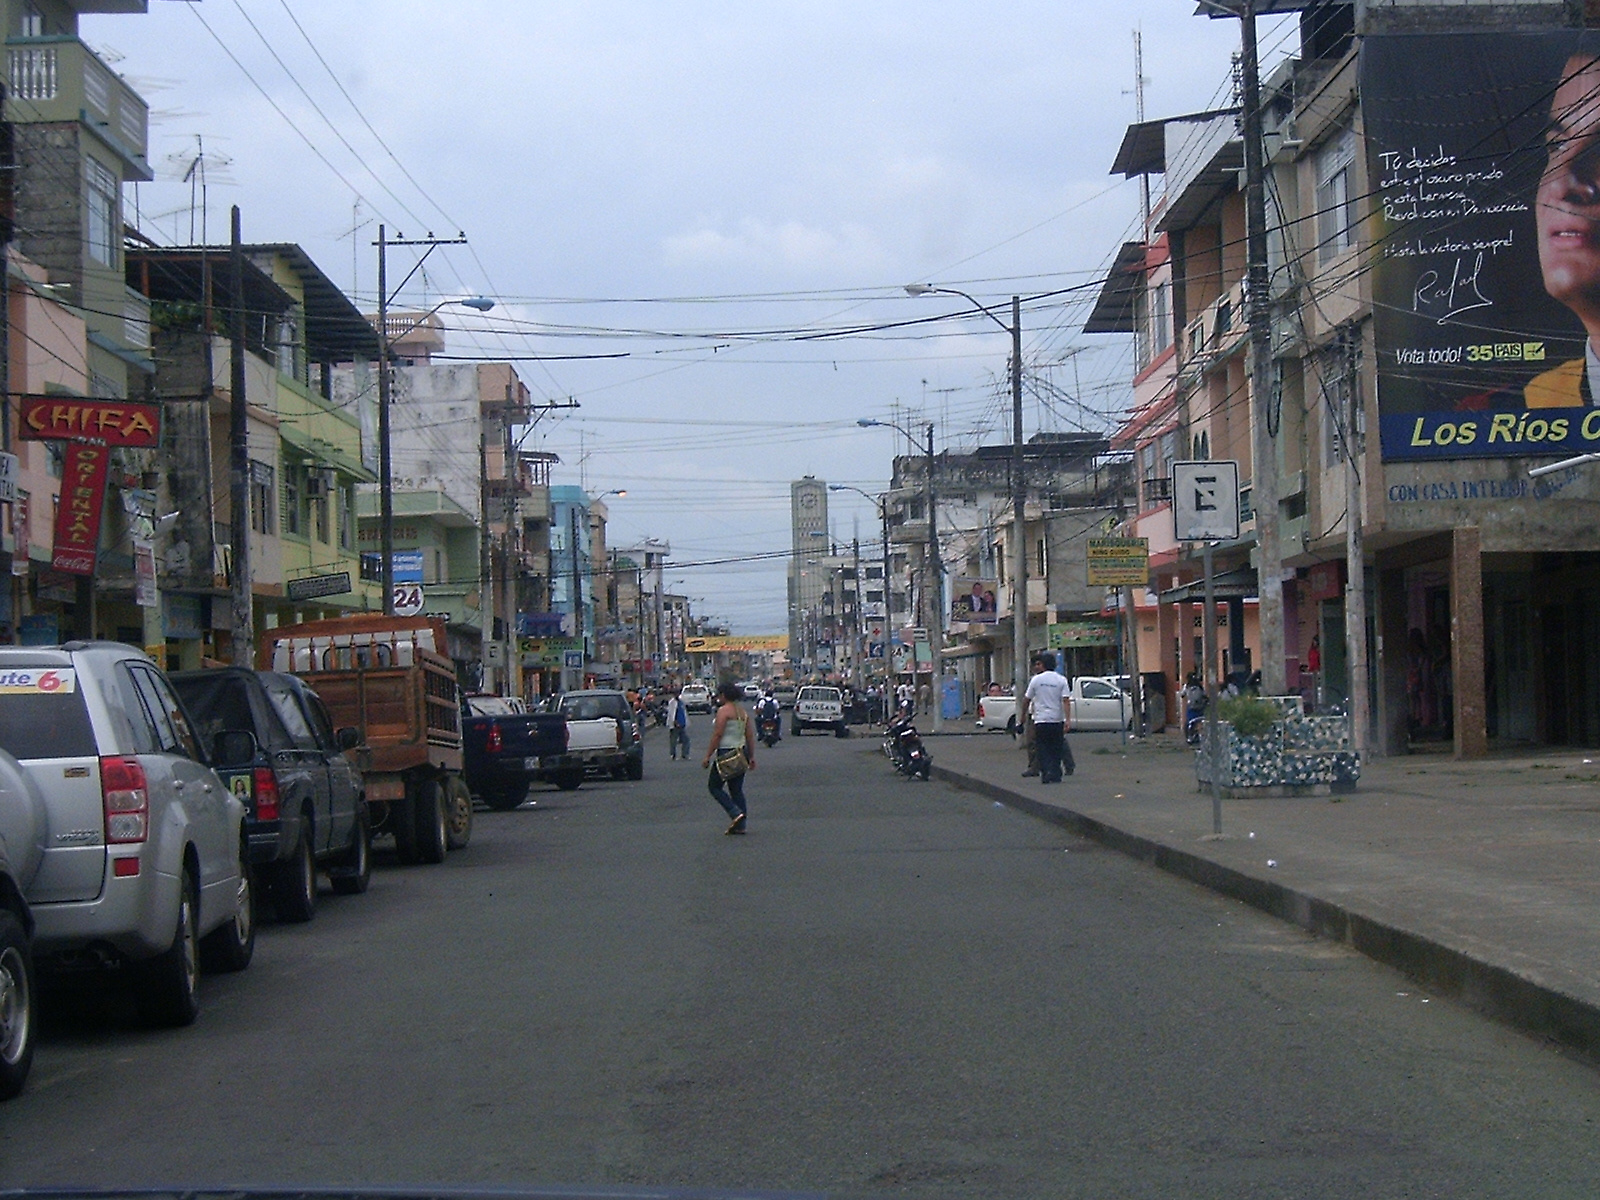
[(61, 79), (1157, 490)]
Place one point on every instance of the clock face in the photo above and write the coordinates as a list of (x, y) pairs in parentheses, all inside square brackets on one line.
[(808, 499)]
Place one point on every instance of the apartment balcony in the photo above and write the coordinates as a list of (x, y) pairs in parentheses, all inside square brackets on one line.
[(1156, 491), (61, 79)]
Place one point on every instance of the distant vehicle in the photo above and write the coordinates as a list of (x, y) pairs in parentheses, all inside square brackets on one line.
[(784, 693), (495, 706), (23, 823), (819, 708), (505, 751), (696, 697), (608, 713), (304, 807), (147, 868), (752, 691)]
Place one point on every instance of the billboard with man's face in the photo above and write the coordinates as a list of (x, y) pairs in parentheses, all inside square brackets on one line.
[(1483, 159)]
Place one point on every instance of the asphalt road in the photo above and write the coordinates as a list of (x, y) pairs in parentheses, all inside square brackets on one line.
[(886, 987)]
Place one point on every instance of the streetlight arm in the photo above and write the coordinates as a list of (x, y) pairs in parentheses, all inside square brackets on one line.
[(927, 289)]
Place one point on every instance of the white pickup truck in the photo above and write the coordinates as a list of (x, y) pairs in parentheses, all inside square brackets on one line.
[(1096, 702), (819, 708), (603, 731)]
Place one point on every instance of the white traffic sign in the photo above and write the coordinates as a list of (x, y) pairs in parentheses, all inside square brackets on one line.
[(8, 478), (1205, 501), (408, 599)]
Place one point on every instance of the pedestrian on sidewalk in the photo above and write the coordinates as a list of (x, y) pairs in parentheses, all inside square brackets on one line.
[(677, 725), (730, 752), (1047, 703)]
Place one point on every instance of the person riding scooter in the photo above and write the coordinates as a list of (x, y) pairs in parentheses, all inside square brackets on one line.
[(769, 723)]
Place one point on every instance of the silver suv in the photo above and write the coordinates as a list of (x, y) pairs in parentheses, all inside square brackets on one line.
[(143, 843)]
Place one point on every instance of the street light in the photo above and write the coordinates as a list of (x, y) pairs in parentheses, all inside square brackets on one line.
[(1019, 492), (935, 627), (385, 474)]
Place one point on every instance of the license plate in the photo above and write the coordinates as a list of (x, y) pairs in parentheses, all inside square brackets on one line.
[(530, 764)]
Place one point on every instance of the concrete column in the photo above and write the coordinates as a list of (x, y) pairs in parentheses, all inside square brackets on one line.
[(1466, 644), (1167, 618), (1394, 706), (1187, 662), (1237, 649)]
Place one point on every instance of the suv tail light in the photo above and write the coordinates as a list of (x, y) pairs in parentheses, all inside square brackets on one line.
[(266, 790), (126, 796), (496, 743), (619, 733)]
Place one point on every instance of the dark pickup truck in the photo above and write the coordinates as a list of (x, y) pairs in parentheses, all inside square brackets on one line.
[(505, 751), (304, 807)]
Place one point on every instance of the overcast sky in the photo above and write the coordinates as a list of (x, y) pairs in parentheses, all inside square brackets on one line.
[(702, 188)]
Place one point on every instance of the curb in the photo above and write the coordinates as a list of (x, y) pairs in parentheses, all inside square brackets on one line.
[(1492, 990)]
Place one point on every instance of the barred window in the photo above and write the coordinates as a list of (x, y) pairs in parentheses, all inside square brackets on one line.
[(1336, 210), (101, 206)]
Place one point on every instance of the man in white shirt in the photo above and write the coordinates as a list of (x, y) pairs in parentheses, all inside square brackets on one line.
[(1046, 700), (677, 726)]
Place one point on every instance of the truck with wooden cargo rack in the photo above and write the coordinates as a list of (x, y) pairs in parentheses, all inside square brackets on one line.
[(390, 678)]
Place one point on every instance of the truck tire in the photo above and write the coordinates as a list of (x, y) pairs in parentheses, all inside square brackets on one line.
[(403, 824), (431, 823), (506, 798), (19, 1020), (635, 768), (294, 880), (458, 813), (168, 985), (569, 781), (353, 872), (231, 945)]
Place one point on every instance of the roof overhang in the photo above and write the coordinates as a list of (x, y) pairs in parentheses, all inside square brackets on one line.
[(1144, 145), (1231, 9), (1208, 159), (336, 330), (1115, 307), (181, 274)]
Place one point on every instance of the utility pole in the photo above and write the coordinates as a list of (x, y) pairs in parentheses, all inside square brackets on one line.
[(385, 455), (577, 590), (1355, 596), (933, 598), (239, 458), (485, 553), (8, 213), (1019, 516), (1264, 453)]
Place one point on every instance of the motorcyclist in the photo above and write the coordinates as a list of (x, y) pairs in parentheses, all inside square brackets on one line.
[(767, 710)]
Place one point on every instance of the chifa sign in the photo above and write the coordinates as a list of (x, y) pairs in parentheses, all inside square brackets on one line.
[(75, 419), (90, 428)]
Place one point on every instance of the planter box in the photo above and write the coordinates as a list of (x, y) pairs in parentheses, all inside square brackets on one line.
[(1298, 756)]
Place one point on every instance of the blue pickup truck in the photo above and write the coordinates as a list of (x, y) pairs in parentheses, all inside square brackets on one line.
[(506, 750)]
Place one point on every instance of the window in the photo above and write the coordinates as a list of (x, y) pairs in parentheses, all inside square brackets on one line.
[(321, 516), (1335, 204), (55, 459), (294, 500), (1161, 316), (287, 706), (1093, 689), (101, 206), (1334, 404), (347, 518), (32, 21), (263, 498)]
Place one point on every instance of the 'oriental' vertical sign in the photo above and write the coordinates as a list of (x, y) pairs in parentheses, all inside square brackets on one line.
[(83, 493)]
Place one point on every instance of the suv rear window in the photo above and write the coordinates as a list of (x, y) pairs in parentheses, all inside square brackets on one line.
[(816, 693), (38, 720)]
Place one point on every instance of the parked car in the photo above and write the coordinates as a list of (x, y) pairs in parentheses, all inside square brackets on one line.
[(304, 804), (145, 866), (696, 697), (599, 705), (997, 713), (1096, 702), (23, 825), (505, 750)]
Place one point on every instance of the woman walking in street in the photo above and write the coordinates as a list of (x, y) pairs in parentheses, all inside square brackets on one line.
[(730, 752)]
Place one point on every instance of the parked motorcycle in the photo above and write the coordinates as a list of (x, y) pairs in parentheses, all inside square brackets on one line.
[(1194, 727), (906, 751)]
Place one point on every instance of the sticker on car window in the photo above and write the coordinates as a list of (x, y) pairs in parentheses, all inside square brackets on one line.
[(45, 681)]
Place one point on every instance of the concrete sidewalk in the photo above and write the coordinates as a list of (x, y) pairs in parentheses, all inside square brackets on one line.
[(1480, 880)]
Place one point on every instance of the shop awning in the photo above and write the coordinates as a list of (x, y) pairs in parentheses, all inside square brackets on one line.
[(1237, 584)]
